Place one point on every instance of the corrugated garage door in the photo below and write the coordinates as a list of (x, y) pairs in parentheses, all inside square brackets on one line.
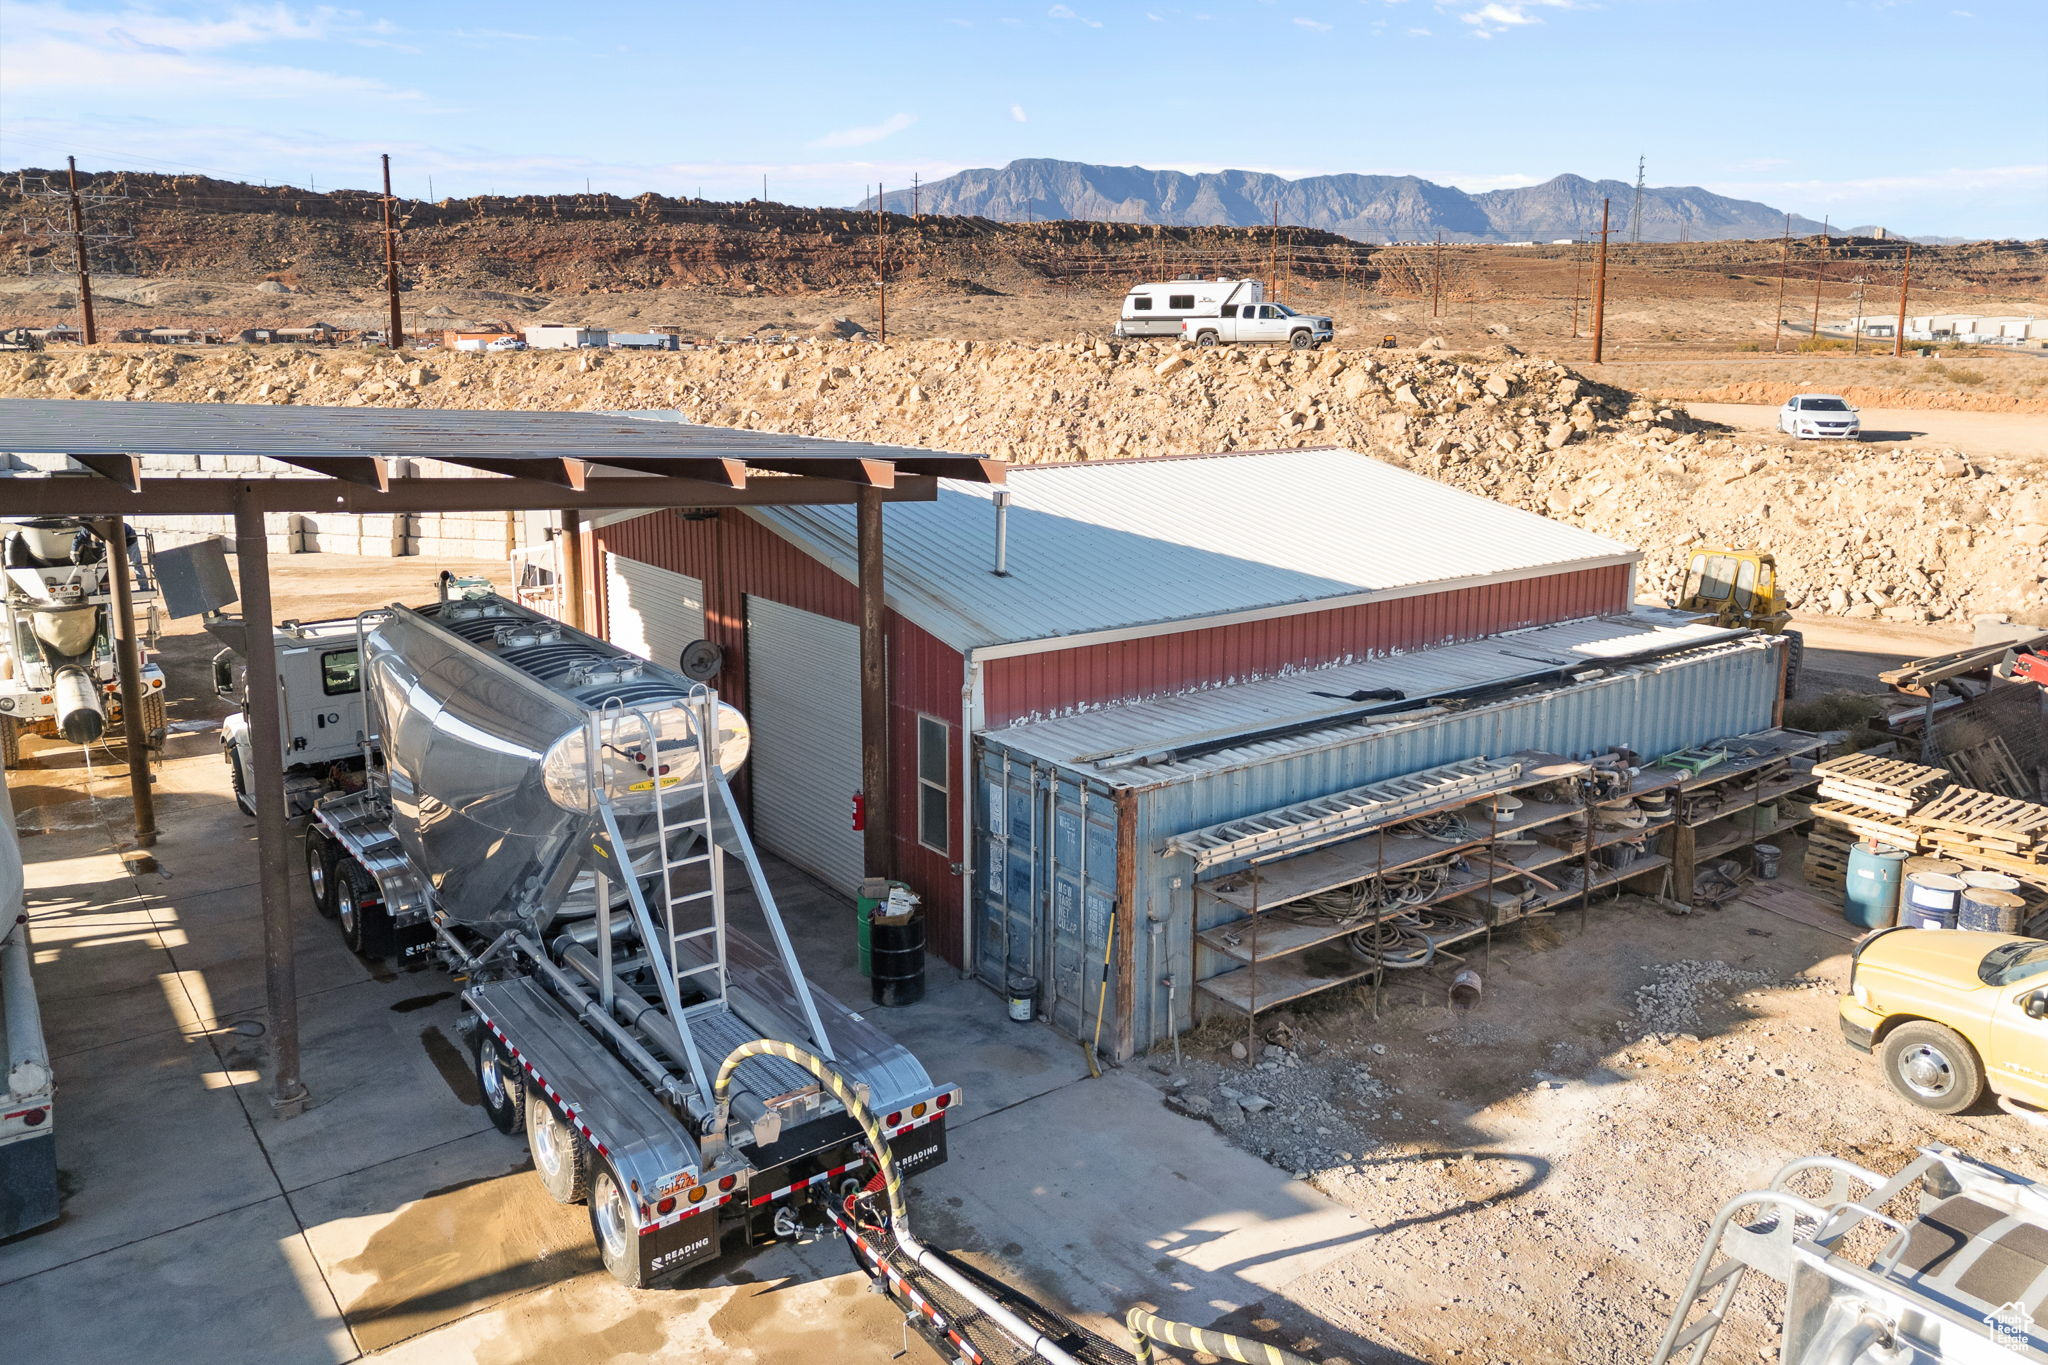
[(803, 683), (653, 612)]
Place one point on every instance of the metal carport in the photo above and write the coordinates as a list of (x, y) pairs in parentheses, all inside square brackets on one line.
[(361, 460)]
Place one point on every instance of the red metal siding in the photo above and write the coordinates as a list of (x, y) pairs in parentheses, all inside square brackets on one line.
[(1057, 681), (736, 557)]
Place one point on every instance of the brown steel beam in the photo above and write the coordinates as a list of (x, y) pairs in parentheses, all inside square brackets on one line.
[(572, 568), (867, 473), (371, 471), (1127, 919), (266, 791), (708, 469), (555, 472), (128, 659), (874, 685), (125, 470), (966, 467), (219, 497)]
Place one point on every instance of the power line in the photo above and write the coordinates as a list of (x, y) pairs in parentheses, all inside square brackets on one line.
[(1635, 214)]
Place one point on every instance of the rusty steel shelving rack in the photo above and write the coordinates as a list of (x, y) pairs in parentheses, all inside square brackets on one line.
[(1264, 938)]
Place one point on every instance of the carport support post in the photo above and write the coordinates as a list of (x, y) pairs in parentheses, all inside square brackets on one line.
[(571, 567), (874, 686), (128, 659), (266, 790)]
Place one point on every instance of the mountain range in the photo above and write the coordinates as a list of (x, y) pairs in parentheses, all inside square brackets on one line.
[(1371, 208)]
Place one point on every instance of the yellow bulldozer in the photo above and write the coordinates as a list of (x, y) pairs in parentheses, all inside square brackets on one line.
[(1739, 589)]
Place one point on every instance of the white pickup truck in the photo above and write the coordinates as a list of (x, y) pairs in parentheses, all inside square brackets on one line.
[(1259, 322)]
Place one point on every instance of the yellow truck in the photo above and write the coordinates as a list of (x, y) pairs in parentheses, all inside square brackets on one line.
[(1951, 1013)]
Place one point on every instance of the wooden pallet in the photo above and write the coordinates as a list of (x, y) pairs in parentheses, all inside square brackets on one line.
[(1986, 817), (1863, 822), (1883, 784)]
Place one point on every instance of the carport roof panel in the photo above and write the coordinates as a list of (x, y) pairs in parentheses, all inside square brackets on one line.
[(502, 442)]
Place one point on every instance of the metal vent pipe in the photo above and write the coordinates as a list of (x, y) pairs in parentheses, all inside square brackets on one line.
[(1002, 501)]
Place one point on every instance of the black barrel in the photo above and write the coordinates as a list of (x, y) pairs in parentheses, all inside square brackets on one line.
[(897, 948)]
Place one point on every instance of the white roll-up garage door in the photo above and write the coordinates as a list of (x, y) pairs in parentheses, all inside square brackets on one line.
[(653, 612), (803, 685)]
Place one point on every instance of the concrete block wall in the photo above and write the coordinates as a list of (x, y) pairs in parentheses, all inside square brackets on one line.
[(451, 535)]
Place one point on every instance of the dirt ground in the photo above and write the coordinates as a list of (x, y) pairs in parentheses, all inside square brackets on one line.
[(1980, 433), (1540, 1172)]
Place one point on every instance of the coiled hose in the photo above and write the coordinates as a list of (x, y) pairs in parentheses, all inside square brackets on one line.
[(1145, 1327)]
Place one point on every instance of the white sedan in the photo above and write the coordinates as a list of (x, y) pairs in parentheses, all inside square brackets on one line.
[(1817, 416)]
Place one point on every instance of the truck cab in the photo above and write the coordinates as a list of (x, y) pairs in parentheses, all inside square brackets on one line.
[(319, 678), (1250, 322)]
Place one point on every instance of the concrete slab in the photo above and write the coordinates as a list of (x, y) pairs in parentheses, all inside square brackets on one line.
[(429, 1238), (1097, 1197), (224, 952), (146, 1143), (236, 1289), (388, 1076)]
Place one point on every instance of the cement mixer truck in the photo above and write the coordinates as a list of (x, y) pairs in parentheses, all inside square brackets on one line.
[(550, 817), (58, 674)]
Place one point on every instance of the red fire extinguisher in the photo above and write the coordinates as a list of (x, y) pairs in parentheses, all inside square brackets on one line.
[(860, 812)]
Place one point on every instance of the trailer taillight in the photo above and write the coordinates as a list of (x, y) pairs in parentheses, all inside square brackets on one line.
[(696, 1194), (895, 1118), (946, 1101), (725, 1183), (917, 1110), (34, 1118), (666, 1206)]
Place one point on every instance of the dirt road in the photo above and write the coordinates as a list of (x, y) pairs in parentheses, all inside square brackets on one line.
[(1975, 433)]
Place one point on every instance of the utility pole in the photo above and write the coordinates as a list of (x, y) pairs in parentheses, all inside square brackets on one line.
[(1600, 289), (1856, 341), (1905, 276), (1273, 252), (92, 332), (1784, 261), (394, 338), (881, 265), (764, 187), (915, 206), (1436, 275), (1819, 271), (1635, 215)]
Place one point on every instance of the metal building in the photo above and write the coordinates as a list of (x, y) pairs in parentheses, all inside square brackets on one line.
[(1089, 586)]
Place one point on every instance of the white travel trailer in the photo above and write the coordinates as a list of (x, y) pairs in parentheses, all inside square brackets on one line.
[(1156, 310)]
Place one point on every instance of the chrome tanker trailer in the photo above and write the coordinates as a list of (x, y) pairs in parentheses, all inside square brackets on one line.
[(550, 815), (58, 673)]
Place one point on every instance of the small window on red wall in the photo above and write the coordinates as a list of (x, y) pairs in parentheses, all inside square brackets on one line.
[(934, 784)]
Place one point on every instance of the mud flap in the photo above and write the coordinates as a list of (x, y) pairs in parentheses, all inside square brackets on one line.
[(920, 1149), (669, 1251)]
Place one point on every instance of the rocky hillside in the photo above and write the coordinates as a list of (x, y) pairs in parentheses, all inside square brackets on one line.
[(1373, 208), (1858, 531)]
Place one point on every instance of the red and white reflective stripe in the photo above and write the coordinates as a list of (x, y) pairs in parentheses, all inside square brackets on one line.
[(902, 1286), (817, 1179), (568, 1109), (683, 1211), (903, 1128)]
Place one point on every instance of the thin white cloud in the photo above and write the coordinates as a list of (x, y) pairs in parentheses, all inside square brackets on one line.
[(1499, 16), (1316, 25), (143, 55), (1066, 12), (1418, 33), (874, 132), (1955, 179), (1017, 113)]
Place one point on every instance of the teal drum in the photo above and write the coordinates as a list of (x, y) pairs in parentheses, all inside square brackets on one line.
[(1870, 896)]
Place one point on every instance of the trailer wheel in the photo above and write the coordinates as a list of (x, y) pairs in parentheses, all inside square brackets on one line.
[(613, 1228), (10, 744), (1302, 341), (320, 858), (559, 1158), (365, 923), (1205, 340), (240, 786), (497, 1080)]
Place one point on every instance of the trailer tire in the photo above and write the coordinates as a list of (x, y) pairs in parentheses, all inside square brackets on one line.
[(241, 787), (1205, 340), (320, 859), (1302, 341), (365, 923), (1795, 661), (614, 1229), (10, 744), (498, 1081), (560, 1160)]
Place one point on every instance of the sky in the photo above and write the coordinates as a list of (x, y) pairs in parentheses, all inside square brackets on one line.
[(1919, 115)]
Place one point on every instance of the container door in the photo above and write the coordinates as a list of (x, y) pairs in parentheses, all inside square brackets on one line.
[(1079, 873), (803, 683), (651, 611), (1006, 881)]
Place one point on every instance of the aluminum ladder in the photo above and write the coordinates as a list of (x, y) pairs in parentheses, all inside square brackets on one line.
[(685, 927), (1763, 1242)]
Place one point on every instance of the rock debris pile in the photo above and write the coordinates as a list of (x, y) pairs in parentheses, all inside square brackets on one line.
[(1857, 530)]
